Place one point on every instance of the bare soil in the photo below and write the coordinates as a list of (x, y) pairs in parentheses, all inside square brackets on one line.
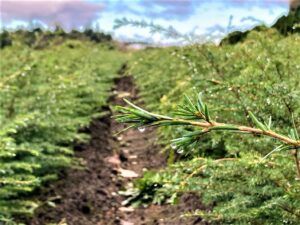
[(90, 196)]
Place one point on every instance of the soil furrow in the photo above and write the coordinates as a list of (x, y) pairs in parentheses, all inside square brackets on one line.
[(90, 196)]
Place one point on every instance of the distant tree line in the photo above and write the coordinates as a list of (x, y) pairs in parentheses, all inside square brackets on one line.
[(285, 25), (39, 38)]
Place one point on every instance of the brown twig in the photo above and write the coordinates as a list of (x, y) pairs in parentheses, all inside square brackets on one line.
[(245, 129), (296, 157)]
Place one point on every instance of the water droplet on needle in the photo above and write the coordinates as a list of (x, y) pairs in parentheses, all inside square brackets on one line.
[(180, 151), (141, 129)]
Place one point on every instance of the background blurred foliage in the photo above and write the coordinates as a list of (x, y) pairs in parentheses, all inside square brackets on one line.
[(45, 97), (38, 38), (258, 74)]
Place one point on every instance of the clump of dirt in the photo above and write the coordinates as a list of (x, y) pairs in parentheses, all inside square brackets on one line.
[(90, 196)]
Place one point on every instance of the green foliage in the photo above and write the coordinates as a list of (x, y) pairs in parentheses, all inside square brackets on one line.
[(5, 39), (38, 38), (45, 97), (259, 76), (242, 190), (259, 194), (197, 115), (256, 75), (289, 24), (285, 25)]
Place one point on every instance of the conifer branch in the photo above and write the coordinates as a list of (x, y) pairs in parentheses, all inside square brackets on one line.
[(140, 117), (197, 114)]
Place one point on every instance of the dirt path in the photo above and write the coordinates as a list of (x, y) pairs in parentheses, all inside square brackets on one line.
[(90, 196)]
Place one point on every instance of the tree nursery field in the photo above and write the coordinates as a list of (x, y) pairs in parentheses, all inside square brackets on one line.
[(93, 132)]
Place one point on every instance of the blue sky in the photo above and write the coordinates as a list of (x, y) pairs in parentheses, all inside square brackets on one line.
[(199, 16)]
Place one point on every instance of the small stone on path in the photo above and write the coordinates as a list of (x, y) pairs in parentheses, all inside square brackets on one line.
[(115, 159), (126, 209), (123, 222), (128, 173)]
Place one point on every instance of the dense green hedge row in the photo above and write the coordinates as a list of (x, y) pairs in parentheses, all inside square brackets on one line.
[(261, 75), (45, 97)]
